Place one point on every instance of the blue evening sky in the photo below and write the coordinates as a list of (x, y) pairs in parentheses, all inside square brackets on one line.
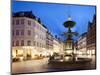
[(54, 15)]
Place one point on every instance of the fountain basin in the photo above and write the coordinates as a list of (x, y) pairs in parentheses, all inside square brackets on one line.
[(70, 61)]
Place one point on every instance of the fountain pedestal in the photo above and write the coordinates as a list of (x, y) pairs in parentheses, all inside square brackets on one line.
[(69, 46)]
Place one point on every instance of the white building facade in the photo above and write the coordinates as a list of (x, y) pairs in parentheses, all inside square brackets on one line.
[(28, 36), (58, 46)]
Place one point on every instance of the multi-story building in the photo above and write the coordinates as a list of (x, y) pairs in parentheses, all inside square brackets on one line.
[(61, 47), (91, 37), (49, 41), (27, 39), (58, 46), (82, 44), (76, 47)]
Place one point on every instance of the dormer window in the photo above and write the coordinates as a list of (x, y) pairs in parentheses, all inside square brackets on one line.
[(21, 14)]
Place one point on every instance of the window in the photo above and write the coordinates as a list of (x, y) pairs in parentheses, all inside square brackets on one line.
[(17, 43), (13, 22), (13, 43), (17, 32), (22, 21), (22, 32), (29, 43), (22, 42), (29, 22), (13, 33), (29, 32), (17, 22)]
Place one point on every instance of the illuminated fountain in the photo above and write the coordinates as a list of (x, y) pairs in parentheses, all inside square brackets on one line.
[(69, 55), (69, 44)]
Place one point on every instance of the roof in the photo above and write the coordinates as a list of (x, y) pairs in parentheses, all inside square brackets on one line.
[(28, 14), (93, 21)]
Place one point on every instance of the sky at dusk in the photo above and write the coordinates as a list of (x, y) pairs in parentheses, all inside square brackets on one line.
[(54, 15)]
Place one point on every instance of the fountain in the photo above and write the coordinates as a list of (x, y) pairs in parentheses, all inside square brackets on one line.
[(69, 44), (68, 54)]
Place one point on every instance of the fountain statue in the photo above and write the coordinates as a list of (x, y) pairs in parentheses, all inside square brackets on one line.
[(69, 44)]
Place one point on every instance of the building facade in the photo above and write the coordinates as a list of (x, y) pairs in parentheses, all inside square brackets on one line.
[(82, 44), (58, 46), (91, 37), (27, 39), (49, 41)]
